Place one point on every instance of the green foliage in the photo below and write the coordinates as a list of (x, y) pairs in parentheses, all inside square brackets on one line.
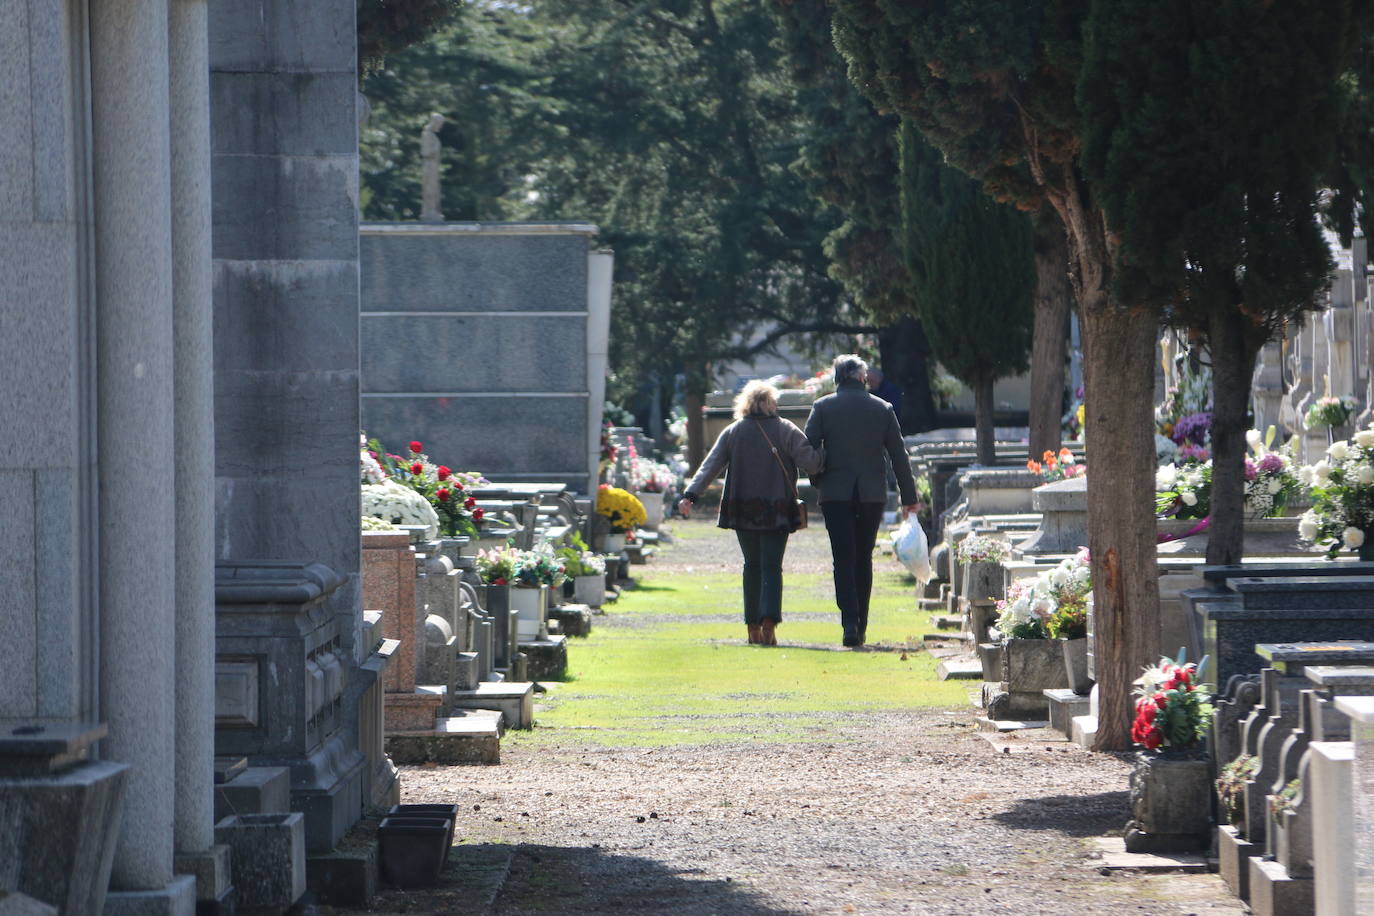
[(385, 26), (1208, 131), (1231, 784), (971, 265)]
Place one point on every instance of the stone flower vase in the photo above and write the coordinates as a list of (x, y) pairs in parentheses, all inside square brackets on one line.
[(653, 509), (589, 590), (1171, 801), (1076, 664), (529, 604), (615, 542), (984, 581)]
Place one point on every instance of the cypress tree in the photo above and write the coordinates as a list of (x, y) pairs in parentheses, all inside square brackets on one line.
[(970, 260)]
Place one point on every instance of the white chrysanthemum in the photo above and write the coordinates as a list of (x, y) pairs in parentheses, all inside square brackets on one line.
[(1352, 538), (1365, 438), (1274, 485), (1338, 450), (1165, 477), (1189, 498), (399, 505), (1364, 474), (1307, 526), (1321, 473)]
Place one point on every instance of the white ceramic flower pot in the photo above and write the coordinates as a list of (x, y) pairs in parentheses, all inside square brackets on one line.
[(615, 542), (590, 590), (653, 509), (529, 605)]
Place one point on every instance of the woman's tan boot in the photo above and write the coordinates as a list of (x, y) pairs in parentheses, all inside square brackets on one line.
[(768, 637), (755, 634)]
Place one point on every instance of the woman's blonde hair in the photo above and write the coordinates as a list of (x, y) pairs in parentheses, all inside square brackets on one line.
[(758, 399)]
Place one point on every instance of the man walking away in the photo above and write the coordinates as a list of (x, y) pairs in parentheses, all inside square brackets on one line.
[(861, 437)]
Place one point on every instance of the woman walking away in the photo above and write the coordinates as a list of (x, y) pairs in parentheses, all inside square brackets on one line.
[(762, 453)]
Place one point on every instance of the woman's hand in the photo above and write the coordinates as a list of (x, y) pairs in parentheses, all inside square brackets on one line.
[(684, 507)]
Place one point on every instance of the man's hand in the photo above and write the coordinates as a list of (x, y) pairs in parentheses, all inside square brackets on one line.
[(684, 508), (908, 511)]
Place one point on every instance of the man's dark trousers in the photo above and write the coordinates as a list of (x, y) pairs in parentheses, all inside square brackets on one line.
[(853, 530)]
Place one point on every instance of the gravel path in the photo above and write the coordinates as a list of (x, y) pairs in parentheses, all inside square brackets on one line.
[(905, 812)]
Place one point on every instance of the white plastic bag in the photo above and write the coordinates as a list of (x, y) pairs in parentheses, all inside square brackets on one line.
[(909, 544)]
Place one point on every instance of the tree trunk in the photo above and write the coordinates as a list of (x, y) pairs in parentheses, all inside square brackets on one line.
[(905, 353), (1233, 368), (696, 425), (1118, 368), (1053, 299), (983, 406)]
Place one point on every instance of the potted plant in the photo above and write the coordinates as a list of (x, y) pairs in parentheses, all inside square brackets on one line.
[(1342, 513), (1231, 782), (624, 512), (586, 571), (651, 480), (1170, 784), (1329, 412), (535, 572), (1270, 480)]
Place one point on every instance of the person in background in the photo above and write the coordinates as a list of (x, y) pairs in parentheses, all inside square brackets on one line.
[(861, 438), (761, 454), (883, 387)]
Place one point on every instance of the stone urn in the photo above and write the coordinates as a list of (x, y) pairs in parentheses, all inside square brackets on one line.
[(653, 509), (615, 542), (1171, 802), (1076, 664), (1029, 668), (529, 603), (984, 581), (589, 590)]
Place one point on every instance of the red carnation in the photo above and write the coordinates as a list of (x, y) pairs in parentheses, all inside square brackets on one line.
[(417, 469), (500, 581), (469, 502), (416, 447), (477, 515), (442, 494), (443, 472), (1161, 701)]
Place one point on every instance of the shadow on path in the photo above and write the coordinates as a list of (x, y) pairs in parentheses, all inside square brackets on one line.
[(513, 880), (1072, 815)]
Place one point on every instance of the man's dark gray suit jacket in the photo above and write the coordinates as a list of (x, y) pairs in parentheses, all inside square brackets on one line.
[(861, 436)]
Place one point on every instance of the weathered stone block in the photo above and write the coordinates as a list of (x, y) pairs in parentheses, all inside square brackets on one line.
[(1033, 665), (267, 855), (1171, 804)]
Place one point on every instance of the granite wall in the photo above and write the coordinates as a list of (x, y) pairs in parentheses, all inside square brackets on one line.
[(487, 342)]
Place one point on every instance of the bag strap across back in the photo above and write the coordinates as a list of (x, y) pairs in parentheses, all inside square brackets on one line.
[(778, 458)]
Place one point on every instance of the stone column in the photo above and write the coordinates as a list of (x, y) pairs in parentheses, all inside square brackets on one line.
[(193, 354), (599, 269), (132, 189)]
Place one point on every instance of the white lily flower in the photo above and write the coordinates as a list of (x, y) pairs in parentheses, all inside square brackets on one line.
[(1253, 438)]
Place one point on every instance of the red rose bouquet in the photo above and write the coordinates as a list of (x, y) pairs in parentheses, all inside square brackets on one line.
[(1172, 711)]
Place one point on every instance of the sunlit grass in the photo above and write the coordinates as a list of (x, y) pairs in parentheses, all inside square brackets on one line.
[(670, 666)]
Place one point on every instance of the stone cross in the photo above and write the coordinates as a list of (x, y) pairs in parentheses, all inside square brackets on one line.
[(429, 170)]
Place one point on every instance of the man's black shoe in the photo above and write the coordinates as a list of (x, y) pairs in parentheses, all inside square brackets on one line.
[(852, 639)]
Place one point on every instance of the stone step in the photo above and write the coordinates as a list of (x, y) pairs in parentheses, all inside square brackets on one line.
[(470, 736), (514, 700), (1084, 731), (947, 621), (1064, 706), (951, 669), (1009, 725), (952, 636)]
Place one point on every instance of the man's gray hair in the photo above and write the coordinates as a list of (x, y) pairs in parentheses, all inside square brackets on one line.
[(849, 366)]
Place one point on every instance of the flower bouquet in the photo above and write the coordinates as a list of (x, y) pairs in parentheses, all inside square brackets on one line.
[(446, 490), (822, 383), (1270, 481), (1329, 411), (497, 565), (1183, 491), (537, 566), (620, 507), (1171, 712), (1342, 512), (1052, 467), (979, 548), (1059, 597)]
